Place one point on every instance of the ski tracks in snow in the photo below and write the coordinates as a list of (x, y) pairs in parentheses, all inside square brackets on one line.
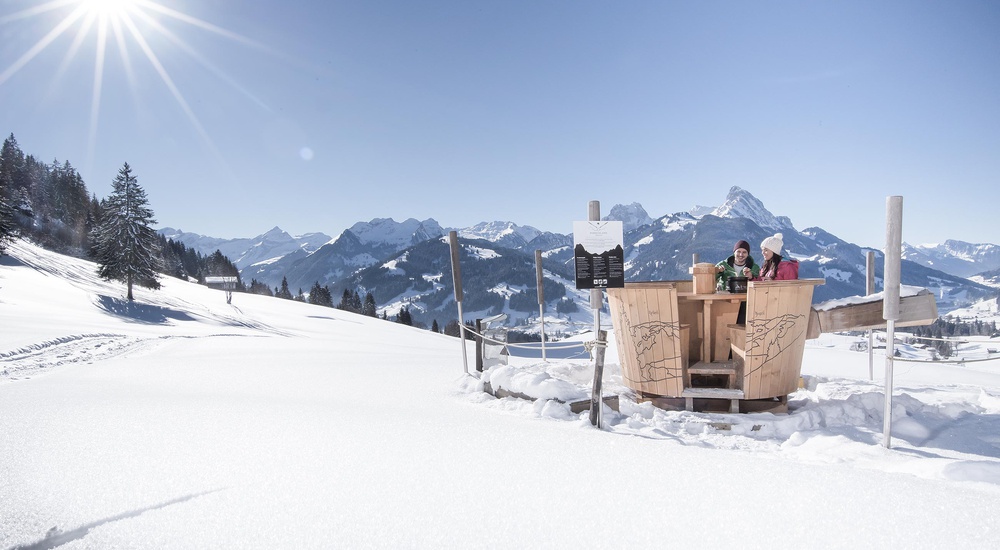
[(42, 357)]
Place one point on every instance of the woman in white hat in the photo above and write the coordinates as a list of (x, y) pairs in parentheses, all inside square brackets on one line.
[(776, 268)]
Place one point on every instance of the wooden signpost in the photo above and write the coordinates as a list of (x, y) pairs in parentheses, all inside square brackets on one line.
[(890, 311), (599, 254)]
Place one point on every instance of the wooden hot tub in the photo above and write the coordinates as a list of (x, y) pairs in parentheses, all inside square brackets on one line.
[(679, 345)]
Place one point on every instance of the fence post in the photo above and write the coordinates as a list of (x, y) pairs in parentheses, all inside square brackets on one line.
[(456, 277), (869, 290), (890, 303), (479, 345), (541, 296), (596, 301)]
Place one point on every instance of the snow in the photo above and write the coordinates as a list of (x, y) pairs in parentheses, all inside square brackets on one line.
[(481, 253), (905, 291), (670, 225), (179, 421), (837, 274), (986, 311)]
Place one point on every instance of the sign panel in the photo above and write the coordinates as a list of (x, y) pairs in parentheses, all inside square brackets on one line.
[(599, 252)]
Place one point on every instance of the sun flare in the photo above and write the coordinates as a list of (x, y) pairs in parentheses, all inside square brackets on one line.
[(122, 26), (108, 8)]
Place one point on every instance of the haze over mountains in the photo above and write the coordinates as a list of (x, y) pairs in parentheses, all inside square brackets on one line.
[(408, 262)]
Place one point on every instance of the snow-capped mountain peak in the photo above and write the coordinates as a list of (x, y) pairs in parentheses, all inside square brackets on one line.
[(631, 215), (741, 204), (507, 234), (388, 230), (958, 257)]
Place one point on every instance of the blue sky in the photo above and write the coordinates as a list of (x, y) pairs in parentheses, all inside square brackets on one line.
[(313, 115)]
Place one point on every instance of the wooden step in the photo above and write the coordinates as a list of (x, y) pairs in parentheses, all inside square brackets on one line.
[(733, 395), (712, 368), (713, 393)]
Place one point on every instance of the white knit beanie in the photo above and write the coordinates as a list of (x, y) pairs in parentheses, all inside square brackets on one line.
[(773, 243)]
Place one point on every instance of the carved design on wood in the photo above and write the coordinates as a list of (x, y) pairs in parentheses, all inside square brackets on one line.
[(646, 336), (768, 338), (650, 333)]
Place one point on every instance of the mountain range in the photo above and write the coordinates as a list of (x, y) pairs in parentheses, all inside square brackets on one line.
[(408, 263)]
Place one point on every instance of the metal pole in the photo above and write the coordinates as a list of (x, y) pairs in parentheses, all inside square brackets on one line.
[(541, 296), (596, 301), (456, 277), (890, 305), (869, 290)]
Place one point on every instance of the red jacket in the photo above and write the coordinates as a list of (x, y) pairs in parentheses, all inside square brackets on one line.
[(788, 270)]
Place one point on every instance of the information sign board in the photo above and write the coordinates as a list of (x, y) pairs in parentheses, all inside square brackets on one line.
[(599, 253)]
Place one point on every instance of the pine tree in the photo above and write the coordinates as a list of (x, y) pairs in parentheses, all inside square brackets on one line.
[(124, 242), (283, 292), (257, 287), (345, 301), (320, 295), (452, 328), (13, 169), (404, 316), (11, 162), (369, 308), (434, 326), (8, 227)]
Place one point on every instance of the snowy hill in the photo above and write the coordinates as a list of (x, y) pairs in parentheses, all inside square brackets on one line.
[(182, 421)]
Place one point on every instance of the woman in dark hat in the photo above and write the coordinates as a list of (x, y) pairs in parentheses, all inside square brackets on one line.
[(740, 264)]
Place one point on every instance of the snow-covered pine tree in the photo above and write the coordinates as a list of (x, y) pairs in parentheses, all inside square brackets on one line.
[(11, 158), (8, 227), (124, 242)]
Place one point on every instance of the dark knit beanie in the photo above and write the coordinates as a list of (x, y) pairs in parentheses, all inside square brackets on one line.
[(742, 244)]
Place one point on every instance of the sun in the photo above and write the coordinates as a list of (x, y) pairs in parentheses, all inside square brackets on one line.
[(108, 8), (123, 26)]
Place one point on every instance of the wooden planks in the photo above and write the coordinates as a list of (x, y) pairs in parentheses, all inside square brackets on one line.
[(777, 322), (920, 309), (648, 335)]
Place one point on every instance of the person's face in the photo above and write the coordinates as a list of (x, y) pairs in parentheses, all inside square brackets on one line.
[(741, 255), (766, 253)]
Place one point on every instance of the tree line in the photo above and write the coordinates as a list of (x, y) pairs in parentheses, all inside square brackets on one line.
[(50, 204), (947, 327)]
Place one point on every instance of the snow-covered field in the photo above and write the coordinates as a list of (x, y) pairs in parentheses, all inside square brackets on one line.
[(180, 421)]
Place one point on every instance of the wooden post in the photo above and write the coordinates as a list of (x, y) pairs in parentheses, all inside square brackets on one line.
[(596, 398), (890, 305), (541, 296), (869, 290), (596, 301), (456, 277), (479, 345)]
